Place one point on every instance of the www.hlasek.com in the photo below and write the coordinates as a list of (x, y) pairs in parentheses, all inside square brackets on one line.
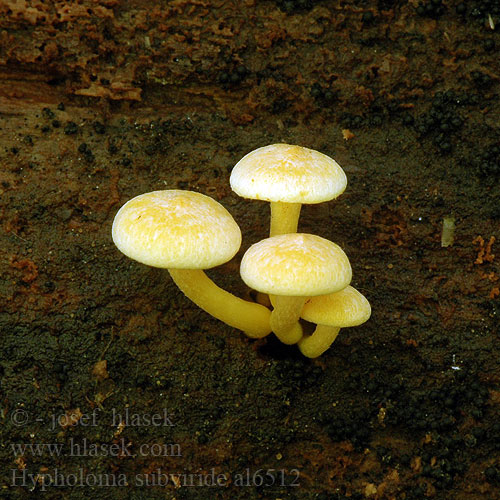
[(85, 448), (82, 478)]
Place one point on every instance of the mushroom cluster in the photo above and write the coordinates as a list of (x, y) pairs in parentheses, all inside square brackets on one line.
[(306, 276)]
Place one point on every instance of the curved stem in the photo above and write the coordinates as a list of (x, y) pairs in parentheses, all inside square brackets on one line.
[(285, 318), (284, 217), (252, 318), (321, 339)]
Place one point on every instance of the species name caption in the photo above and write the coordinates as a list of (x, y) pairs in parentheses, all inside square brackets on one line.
[(121, 448), (82, 478)]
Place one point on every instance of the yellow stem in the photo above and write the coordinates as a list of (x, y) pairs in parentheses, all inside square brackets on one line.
[(321, 339), (285, 220), (285, 318), (284, 217), (252, 318)]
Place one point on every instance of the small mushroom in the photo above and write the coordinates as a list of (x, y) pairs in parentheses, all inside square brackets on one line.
[(287, 176), (292, 268), (342, 309), (186, 232)]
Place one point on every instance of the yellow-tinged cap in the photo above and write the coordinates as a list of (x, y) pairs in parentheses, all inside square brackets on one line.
[(345, 308), (296, 264), (176, 229), (289, 174)]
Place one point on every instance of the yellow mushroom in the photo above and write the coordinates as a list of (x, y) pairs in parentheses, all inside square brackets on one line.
[(331, 312), (291, 268), (186, 232), (287, 176)]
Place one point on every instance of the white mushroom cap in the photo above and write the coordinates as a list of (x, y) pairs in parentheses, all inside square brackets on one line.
[(176, 229), (288, 174), (296, 264), (348, 307)]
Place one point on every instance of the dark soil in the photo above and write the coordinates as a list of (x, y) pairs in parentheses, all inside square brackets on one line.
[(104, 100)]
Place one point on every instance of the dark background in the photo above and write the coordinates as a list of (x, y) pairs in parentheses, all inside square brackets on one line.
[(104, 100)]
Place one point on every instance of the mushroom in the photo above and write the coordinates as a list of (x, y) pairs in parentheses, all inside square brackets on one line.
[(186, 232), (287, 176), (342, 309), (292, 268)]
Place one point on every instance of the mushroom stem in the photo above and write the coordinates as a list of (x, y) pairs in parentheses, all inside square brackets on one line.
[(284, 220), (251, 318), (321, 339), (285, 318), (284, 217)]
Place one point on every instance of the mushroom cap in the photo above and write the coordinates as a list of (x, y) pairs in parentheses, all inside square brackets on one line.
[(344, 308), (296, 264), (176, 229), (289, 174)]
